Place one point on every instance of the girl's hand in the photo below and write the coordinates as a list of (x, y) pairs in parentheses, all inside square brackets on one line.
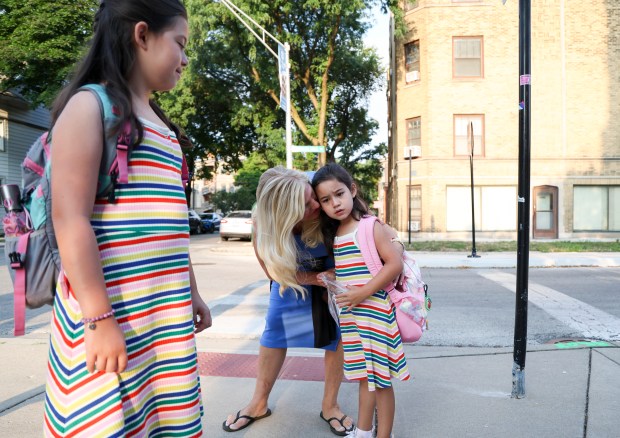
[(202, 314), (351, 298), (105, 347)]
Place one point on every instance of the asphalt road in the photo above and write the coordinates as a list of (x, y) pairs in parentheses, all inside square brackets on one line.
[(471, 307)]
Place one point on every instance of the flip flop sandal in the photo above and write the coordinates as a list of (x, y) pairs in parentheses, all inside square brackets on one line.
[(227, 428), (339, 420)]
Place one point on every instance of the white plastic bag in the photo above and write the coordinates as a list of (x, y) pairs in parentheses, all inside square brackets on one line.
[(333, 288)]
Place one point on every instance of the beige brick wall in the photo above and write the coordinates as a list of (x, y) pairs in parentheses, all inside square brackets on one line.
[(575, 101)]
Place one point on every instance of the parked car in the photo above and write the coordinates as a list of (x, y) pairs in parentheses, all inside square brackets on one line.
[(195, 224), (237, 224), (207, 224), (213, 217)]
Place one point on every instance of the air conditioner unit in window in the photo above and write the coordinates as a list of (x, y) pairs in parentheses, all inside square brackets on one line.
[(412, 76), (414, 226)]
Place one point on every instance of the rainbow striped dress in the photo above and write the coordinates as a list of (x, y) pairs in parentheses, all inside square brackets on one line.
[(143, 240), (372, 346)]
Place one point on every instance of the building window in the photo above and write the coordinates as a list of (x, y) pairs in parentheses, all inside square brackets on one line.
[(495, 208), (412, 61), (414, 134), (415, 205), (596, 208), (467, 57), (3, 134), (461, 134), (410, 4)]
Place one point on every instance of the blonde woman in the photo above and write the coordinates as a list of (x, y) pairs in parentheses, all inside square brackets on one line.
[(289, 247)]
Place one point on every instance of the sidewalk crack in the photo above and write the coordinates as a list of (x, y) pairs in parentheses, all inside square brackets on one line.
[(585, 416)]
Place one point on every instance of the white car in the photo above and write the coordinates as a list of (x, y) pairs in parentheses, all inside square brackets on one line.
[(237, 224)]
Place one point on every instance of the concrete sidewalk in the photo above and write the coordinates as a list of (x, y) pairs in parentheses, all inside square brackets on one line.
[(456, 392)]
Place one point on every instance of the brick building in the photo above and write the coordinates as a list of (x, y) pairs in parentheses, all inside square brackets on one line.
[(458, 66)]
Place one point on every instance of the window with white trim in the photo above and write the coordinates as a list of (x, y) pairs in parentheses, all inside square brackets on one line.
[(467, 57), (412, 61), (461, 135), (495, 208), (3, 134), (596, 208)]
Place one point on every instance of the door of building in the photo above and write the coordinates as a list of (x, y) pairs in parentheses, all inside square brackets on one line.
[(545, 212)]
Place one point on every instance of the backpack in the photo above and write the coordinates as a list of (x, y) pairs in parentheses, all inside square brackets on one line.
[(30, 247), (410, 300)]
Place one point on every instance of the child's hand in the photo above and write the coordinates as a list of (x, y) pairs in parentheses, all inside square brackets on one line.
[(353, 296), (105, 347), (202, 314)]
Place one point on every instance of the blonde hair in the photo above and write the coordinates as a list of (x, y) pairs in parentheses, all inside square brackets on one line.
[(280, 205)]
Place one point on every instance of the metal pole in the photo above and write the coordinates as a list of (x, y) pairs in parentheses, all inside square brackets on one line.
[(245, 19), (409, 196), (471, 173), (289, 136), (523, 232)]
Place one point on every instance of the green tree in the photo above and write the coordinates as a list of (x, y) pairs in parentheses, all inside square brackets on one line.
[(40, 42), (234, 89)]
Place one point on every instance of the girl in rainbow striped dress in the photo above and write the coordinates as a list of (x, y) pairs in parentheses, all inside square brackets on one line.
[(123, 359), (373, 352)]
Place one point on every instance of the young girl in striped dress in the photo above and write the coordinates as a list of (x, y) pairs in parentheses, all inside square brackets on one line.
[(373, 352), (122, 359)]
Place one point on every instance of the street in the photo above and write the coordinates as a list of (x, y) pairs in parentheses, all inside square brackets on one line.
[(471, 307)]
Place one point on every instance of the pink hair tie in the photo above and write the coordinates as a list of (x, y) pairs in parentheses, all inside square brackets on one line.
[(91, 321)]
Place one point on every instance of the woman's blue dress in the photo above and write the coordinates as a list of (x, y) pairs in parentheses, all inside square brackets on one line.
[(293, 321)]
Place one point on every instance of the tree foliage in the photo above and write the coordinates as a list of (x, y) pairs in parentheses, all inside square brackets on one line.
[(235, 92), (40, 42)]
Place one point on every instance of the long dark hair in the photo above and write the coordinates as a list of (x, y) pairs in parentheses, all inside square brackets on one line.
[(111, 55), (329, 226)]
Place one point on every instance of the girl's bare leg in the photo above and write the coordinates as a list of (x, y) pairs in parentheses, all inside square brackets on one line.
[(385, 411), (333, 378)]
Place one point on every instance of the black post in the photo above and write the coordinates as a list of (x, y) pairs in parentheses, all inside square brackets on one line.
[(409, 197), (523, 232), (471, 173)]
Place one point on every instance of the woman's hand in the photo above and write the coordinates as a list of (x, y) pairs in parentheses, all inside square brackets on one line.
[(202, 314), (105, 347), (329, 274)]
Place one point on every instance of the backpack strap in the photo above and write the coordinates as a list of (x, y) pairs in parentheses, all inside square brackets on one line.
[(184, 171), (19, 285), (115, 156), (366, 241)]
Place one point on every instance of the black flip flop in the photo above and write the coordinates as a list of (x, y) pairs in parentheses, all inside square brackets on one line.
[(239, 417), (339, 420)]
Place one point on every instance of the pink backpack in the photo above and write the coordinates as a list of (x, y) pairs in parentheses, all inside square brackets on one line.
[(410, 300)]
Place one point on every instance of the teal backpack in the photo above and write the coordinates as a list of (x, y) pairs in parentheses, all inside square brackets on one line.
[(30, 242)]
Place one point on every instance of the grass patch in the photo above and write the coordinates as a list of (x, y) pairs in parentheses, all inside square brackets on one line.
[(559, 246)]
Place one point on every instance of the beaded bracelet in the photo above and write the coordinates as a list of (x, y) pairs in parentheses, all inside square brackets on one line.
[(91, 321)]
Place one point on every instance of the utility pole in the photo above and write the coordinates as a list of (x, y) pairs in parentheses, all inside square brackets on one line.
[(284, 70), (523, 232), (414, 152), (470, 136)]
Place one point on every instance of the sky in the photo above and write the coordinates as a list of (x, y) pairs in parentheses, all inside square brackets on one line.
[(378, 37)]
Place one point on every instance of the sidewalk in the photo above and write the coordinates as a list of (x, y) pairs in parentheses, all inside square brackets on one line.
[(455, 392)]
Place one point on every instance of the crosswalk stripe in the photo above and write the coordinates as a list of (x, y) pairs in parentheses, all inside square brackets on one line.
[(593, 323)]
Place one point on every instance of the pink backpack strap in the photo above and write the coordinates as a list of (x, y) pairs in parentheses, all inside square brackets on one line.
[(19, 295), (184, 171), (122, 150), (366, 241)]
